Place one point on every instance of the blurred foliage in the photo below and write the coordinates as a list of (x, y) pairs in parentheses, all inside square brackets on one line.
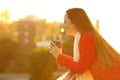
[(42, 64), (8, 49), (38, 62), (5, 15)]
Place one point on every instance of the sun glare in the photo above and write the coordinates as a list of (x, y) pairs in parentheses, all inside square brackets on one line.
[(53, 10)]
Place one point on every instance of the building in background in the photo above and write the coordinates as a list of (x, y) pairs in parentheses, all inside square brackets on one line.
[(26, 33)]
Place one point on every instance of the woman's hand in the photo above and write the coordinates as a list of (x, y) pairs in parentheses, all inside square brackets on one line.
[(54, 49)]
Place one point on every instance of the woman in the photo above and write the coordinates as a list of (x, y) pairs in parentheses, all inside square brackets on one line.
[(94, 58)]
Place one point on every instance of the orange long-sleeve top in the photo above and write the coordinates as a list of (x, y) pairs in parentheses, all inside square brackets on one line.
[(88, 61)]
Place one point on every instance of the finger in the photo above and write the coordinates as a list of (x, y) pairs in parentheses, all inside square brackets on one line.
[(53, 44), (51, 47), (50, 51)]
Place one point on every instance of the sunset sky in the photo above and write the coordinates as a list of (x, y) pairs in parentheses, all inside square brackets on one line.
[(106, 11)]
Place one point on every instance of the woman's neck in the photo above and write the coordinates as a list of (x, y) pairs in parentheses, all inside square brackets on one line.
[(74, 34)]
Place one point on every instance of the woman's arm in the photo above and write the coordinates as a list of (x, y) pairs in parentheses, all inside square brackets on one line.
[(87, 55)]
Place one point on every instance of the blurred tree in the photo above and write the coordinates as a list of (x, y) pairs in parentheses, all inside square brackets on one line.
[(5, 16), (42, 64), (40, 29), (12, 30), (4, 21), (53, 31), (7, 50), (46, 31)]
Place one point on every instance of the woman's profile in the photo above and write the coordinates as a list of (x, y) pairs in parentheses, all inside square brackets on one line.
[(93, 57)]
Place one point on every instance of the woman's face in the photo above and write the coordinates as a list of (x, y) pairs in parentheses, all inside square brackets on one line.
[(69, 27)]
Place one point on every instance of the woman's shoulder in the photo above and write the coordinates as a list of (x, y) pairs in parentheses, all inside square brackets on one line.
[(87, 38), (87, 35)]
